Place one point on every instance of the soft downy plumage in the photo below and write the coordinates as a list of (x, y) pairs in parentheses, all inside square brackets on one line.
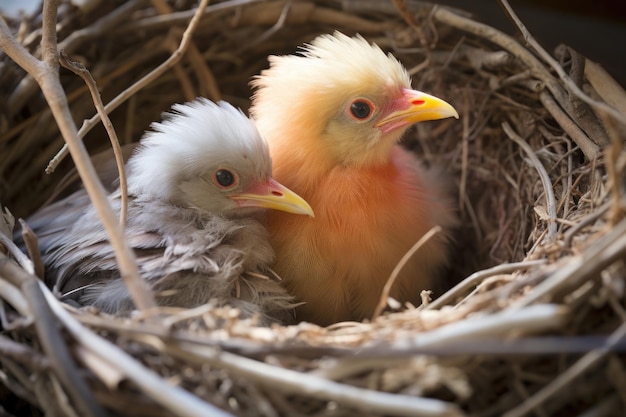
[(198, 185), (333, 115)]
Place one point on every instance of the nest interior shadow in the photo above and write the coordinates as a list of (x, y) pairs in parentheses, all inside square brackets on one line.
[(536, 175)]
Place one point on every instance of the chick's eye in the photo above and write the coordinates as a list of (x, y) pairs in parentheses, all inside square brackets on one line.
[(361, 109), (224, 178)]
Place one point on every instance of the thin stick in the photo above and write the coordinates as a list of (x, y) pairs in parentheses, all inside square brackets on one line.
[(14, 296), (175, 399), (569, 83), (531, 319), (21, 353), (49, 335), (32, 246), (478, 277), (80, 70), (589, 148), (28, 86), (606, 87), (543, 174), (382, 302), (133, 89), (46, 75), (534, 65), (597, 257), (280, 23), (565, 378), (19, 256), (464, 152), (290, 381)]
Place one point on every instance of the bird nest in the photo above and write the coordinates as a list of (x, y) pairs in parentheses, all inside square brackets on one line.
[(532, 324)]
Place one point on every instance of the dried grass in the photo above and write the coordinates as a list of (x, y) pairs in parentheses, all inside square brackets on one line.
[(536, 328)]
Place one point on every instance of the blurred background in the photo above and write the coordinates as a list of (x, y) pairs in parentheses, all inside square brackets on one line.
[(595, 28)]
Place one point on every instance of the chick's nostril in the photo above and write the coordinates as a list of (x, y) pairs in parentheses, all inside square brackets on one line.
[(417, 102), (277, 193)]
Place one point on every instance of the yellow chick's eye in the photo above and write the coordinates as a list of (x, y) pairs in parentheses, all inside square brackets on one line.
[(361, 109)]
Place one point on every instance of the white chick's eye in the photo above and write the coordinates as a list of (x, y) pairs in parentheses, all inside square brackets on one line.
[(225, 179), (361, 109)]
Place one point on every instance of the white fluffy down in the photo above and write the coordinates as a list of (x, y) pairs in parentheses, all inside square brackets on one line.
[(188, 253), (193, 138)]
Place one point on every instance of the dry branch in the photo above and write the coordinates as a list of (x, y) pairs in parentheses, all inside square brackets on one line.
[(46, 74)]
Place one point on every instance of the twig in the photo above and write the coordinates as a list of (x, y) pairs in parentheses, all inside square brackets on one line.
[(133, 89), (536, 318), (13, 296), (565, 378), (280, 23), (23, 354), (167, 21), (586, 221), (32, 246), (534, 65), (606, 87), (382, 302), (28, 86), (404, 11), (46, 75), (307, 384), (571, 85), (80, 70), (19, 256), (208, 83), (175, 399), (477, 277), (464, 152), (543, 174), (50, 337), (589, 148), (594, 259)]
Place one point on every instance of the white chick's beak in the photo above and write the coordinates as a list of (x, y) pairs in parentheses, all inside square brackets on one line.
[(272, 195)]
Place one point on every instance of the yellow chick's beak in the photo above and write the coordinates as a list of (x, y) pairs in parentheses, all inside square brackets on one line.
[(272, 195), (414, 106)]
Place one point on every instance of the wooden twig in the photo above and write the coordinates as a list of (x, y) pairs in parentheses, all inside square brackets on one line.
[(606, 86), (382, 302), (534, 65), (464, 152), (15, 298), (80, 70), (409, 18), (293, 382), (543, 174), (49, 335), (280, 23), (565, 378), (605, 250), (19, 256), (133, 89), (571, 85), (208, 83), (589, 148), (23, 354), (478, 277), (174, 398), (32, 246), (28, 86), (46, 74), (532, 319)]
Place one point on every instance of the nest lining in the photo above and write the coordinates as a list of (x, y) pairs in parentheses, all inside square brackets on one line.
[(546, 250)]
